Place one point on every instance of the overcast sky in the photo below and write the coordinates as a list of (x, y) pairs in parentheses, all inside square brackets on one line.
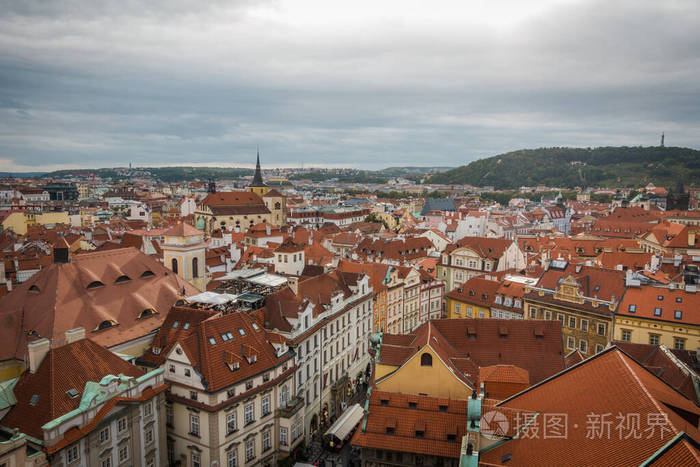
[(362, 84)]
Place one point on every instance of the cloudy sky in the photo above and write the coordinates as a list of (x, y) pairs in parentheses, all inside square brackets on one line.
[(370, 84)]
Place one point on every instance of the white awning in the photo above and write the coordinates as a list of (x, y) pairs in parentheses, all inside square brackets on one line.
[(347, 422), (212, 298)]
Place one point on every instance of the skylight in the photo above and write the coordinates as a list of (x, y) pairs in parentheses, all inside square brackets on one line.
[(212, 341), (241, 331), (175, 324)]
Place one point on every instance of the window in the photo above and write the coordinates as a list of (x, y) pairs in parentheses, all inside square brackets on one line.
[(172, 368), (173, 265), (232, 458), (265, 405), (169, 415), (284, 396), (583, 346), (533, 313), (187, 372), (106, 462), (266, 443), (660, 297), (193, 395), (657, 311), (249, 412), (561, 317), (121, 425), (147, 409), (572, 322), (626, 335), (654, 339), (196, 461), (679, 300), (104, 435), (194, 424), (679, 343), (195, 267), (149, 436), (123, 453), (426, 359), (598, 348), (231, 423), (601, 329), (632, 308), (570, 343), (283, 436), (73, 454), (678, 314), (584, 325), (456, 308), (548, 315), (249, 450)]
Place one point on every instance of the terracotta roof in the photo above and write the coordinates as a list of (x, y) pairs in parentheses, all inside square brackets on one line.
[(644, 302), (66, 367), (232, 198), (663, 363), (578, 394), (116, 285), (246, 344), (182, 230), (392, 410), (477, 290), (532, 345), (492, 248), (399, 250)]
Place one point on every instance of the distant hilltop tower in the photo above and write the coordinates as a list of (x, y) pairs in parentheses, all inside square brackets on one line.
[(211, 186), (662, 139)]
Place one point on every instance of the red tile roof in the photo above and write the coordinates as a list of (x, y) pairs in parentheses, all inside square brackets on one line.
[(66, 367), (605, 385), (85, 292), (644, 302), (392, 410)]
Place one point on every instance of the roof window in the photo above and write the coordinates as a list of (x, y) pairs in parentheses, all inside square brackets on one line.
[(678, 314), (212, 341), (122, 278), (679, 300), (632, 308), (660, 297), (147, 312), (34, 289), (186, 326), (72, 393), (94, 284), (241, 331), (147, 273), (175, 324), (657, 311)]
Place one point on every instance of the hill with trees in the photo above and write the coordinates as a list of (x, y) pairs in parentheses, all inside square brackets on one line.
[(571, 167)]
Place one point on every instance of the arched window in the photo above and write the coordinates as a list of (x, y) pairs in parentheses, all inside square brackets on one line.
[(173, 265), (195, 267), (426, 360)]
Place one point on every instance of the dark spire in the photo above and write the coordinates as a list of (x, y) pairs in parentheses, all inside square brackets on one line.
[(257, 178)]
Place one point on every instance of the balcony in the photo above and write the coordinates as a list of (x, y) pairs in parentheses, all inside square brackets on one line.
[(293, 406)]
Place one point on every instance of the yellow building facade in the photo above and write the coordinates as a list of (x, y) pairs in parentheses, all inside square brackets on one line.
[(423, 373)]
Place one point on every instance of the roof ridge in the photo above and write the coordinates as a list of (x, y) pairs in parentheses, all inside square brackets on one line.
[(646, 391)]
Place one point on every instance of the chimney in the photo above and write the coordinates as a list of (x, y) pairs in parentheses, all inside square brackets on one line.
[(293, 283), (691, 238), (267, 229), (61, 252), (37, 351), (75, 334)]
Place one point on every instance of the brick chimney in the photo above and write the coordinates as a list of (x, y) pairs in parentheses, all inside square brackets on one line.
[(37, 351), (293, 283)]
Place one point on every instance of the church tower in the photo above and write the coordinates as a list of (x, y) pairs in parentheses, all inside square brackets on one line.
[(258, 186), (184, 253)]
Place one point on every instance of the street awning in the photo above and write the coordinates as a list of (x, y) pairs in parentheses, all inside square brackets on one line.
[(346, 422)]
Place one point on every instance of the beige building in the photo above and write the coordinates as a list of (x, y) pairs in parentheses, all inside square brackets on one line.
[(184, 253), (231, 397)]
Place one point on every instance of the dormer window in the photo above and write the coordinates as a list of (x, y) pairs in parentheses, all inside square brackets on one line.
[(146, 313), (94, 284), (147, 273), (122, 278), (34, 289), (105, 324)]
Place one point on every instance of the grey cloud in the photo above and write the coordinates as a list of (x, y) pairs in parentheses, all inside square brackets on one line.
[(179, 83)]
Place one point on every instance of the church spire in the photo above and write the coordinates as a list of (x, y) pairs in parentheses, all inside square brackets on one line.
[(257, 177)]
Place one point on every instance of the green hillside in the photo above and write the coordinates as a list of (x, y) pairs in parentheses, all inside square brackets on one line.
[(571, 167)]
